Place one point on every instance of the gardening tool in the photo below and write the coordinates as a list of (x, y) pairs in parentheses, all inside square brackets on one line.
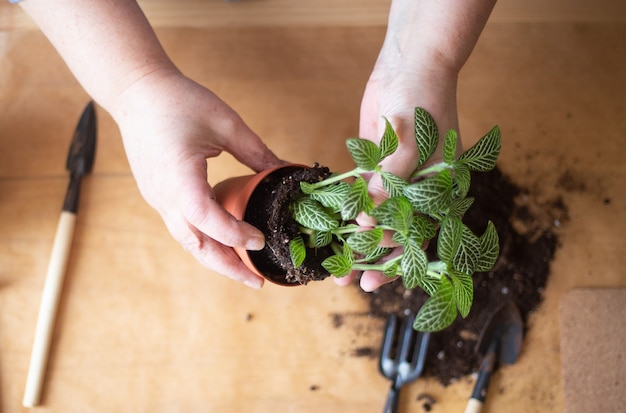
[(499, 344), (79, 162), (402, 356)]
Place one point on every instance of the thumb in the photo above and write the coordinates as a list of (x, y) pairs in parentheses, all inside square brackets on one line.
[(201, 210)]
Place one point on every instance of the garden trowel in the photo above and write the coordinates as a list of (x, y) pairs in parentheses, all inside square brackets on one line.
[(79, 163), (499, 344)]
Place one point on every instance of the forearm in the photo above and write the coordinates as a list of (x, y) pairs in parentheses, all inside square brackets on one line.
[(426, 45), (436, 33), (107, 44)]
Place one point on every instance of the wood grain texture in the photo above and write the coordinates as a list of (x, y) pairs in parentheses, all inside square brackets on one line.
[(143, 327)]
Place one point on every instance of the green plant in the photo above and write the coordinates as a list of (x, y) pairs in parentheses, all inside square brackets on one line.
[(431, 203)]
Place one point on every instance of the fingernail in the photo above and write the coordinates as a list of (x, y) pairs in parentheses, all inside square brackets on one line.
[(255, 243)]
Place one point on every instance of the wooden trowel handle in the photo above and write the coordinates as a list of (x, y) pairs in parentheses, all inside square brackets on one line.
[(474, 406), (48, 308)]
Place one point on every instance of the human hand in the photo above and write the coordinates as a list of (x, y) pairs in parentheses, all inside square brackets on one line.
[(426, 45), (170, 126), (393, 92)]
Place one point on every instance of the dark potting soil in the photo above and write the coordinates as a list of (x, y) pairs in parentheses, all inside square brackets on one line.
[(527, 246), (270, 213)]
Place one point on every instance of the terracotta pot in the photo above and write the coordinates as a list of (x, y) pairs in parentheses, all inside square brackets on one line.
[(234, 195)]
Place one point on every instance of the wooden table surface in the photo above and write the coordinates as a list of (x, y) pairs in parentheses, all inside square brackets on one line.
[(143, 327)]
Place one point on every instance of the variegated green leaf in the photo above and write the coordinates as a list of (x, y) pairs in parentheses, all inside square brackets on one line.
[(426, 134), (462, 180), (377, 254), (468, 254), (306, 187), (431, 195), (449, 146), (463, 292), (459, 207), (364, 153), (421, 229), (297, 250), (393, 184), (357, 200), (311, 214), (439, 311), (337, 265), (365, 242), (395, 212), (391, 270), (449, 240), (489, 248), (389, 141), (322, 238), (399, 237), (483, 155), (331, 196), (430, 284), (414, 264)]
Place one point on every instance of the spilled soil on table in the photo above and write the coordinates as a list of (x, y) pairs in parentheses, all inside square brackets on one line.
[(527, 231), (527, 245)]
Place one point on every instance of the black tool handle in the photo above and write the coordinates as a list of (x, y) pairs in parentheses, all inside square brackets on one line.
[(391, 406), (484, 377), (487, 368), (71, 196)]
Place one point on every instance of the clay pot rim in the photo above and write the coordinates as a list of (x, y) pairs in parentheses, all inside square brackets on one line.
[(238, 210)]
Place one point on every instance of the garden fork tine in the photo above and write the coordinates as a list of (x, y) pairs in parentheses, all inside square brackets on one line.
[(402, 357)]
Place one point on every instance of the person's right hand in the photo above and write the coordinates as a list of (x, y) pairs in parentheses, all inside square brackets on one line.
[(426, 45), (393, 92), (170, 126)]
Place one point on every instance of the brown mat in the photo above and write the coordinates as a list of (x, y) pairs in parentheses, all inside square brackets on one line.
[(593, 333)]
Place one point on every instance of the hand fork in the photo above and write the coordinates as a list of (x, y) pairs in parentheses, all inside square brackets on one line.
[(402, 357)]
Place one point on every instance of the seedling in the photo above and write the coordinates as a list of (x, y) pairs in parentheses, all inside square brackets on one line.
[(429, 205)]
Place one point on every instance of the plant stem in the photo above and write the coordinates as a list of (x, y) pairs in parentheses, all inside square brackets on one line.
[(336, 178), (336, 248), (431, 170), (436, 269), (376, 267), (368, 267), (305, 230)]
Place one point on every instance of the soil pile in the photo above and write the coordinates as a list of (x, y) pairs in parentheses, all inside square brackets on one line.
[(527, 246)]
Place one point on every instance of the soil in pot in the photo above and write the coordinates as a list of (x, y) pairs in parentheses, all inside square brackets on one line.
[(268, 210)]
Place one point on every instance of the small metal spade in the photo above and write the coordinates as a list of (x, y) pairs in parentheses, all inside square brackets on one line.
[(499, 343)]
